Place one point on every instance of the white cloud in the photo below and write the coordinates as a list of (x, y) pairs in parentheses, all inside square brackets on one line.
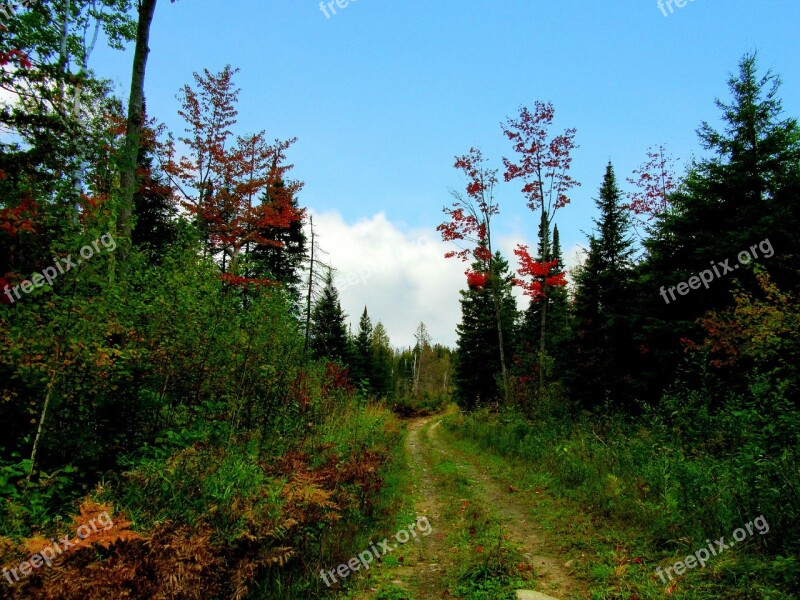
[(401, 276)]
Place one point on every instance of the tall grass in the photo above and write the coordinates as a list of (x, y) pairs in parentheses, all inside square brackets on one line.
[(644, 474)]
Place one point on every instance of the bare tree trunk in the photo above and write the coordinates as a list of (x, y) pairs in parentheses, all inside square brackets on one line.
[(496, 298), (310, 287), (415, 374), (39, 430), (135, 120), (542, 346)]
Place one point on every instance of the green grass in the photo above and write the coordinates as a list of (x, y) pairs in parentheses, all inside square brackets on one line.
[(614, 504), (487, 565)]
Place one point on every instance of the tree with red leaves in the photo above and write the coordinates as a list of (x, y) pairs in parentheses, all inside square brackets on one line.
[(223, 183), (541, 273), (543, 166), (470, 219), (654, 180)]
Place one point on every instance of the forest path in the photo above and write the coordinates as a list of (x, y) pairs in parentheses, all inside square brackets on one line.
[(437, 470)]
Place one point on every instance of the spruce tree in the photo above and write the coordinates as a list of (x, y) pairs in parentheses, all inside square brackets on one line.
[(478, 369), (363, 362), (530, 329), (283, 259), (328, 328), (602, 347), (382, 359), (747, 191), (155, 210)]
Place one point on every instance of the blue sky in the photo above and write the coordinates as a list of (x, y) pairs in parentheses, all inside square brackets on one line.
[(383, 95)]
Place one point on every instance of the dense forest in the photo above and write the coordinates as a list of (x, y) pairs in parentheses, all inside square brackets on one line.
[(188, 413)]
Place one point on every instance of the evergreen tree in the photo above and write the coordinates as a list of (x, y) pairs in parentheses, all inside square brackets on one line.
[(382, 357), (746, 192), (556, 326), (478, 364), (282, 259), (602, 352), (328, 327), (154, 208), (363, 362), (559, 302)]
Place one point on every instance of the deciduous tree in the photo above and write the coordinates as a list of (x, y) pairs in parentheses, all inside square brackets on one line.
[(543, 164)]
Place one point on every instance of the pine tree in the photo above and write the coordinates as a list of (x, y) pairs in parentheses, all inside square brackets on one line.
[(530, 329), (363, 362), (382, 358), (747, 191), (283, 260), (602, 352), (329, 337), (478, 365), (154, 208)]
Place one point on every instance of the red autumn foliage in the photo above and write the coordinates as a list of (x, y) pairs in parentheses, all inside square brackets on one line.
[(542, 274), (224, 184), (15, 56), (16, 219), (337, 378), (475, 280), (655, 181), (544, 161), (470, 217)]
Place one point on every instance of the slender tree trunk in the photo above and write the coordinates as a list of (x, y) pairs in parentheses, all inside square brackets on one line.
[(542, 345), (496, 298), (39, 430), (310, 286), (415, 375), (135, 121)]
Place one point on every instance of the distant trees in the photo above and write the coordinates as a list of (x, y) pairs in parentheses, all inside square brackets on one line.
[(423, 375)]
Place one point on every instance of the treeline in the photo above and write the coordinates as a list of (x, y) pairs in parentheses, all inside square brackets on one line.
[(415, 380), (154, 363), (681, 321)]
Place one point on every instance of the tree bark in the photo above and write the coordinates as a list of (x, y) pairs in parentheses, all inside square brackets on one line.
[(543, 330), (42, 417), (495, 281), (310, 288), (133, 131)]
